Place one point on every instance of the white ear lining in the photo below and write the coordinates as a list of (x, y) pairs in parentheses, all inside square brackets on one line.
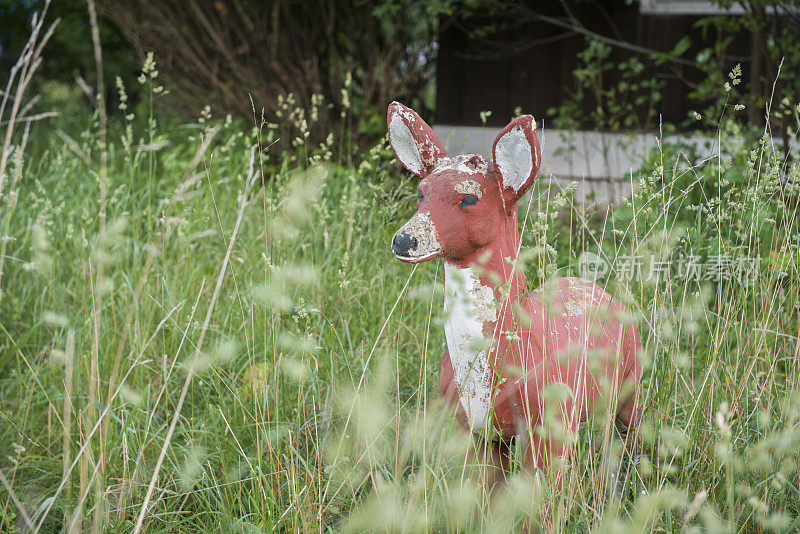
[(404, 145), (514, 157)]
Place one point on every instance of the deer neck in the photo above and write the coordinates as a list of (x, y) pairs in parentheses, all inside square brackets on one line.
[(477, 305), (495, 267)]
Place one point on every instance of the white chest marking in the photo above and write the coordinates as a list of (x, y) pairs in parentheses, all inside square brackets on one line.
[(468, 305)]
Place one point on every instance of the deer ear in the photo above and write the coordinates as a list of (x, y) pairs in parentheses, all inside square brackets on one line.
[(517, 155), (413, 141)]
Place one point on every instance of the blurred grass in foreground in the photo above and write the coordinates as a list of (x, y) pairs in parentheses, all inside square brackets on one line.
[(224, 336)]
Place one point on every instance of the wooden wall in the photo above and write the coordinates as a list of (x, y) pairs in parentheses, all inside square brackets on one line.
[(474, 76)]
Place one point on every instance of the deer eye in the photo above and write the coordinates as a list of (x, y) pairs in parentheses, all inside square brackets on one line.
[(469, 200), (419, 196)]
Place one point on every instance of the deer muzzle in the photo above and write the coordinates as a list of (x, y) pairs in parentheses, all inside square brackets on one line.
[(417, 241)]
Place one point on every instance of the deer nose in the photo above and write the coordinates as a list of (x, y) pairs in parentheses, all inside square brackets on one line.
[(403, 243)]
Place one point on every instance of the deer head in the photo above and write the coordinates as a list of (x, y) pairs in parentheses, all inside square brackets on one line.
[(463, 203)]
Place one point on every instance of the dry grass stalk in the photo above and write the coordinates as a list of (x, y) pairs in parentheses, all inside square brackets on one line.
[(87, 437), (29, 60), (230, 49), (244, 198), (20, 508), (27, 64), (69, 360), (97, 303)]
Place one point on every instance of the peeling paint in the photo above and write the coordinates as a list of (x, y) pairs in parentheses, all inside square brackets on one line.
[(413, 140), (469, 187), (582, 296), (430, 153), (465, 163), (421, 228), (469, 305)]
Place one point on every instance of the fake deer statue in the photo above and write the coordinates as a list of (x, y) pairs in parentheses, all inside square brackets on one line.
[(505, 346)]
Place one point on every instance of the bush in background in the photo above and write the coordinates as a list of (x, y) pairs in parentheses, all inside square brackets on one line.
[(232, 52)]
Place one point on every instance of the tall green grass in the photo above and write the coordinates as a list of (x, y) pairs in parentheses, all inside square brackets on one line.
[(224, 342)]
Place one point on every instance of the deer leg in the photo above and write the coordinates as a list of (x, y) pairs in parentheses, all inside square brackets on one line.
[(540, 451), (629, 413), (492, 459), (499, 461)]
